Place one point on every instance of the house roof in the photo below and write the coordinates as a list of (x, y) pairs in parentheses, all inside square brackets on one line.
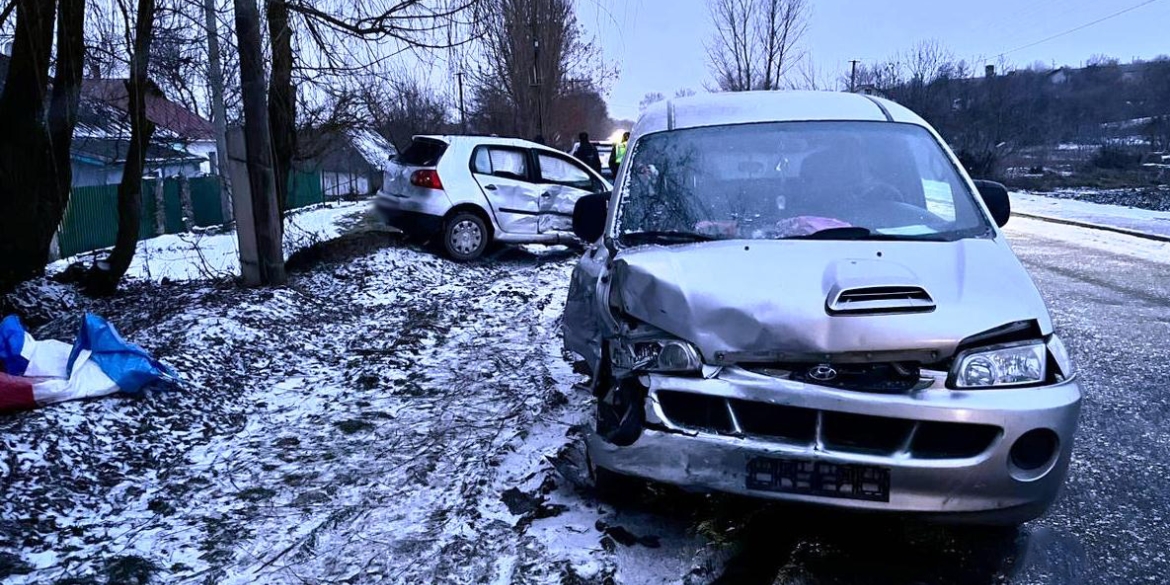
[(103, 151), (343, 150), (167, 115)]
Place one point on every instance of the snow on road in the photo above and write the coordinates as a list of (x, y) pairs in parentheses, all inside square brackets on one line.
[(1142, 220), (1135, 248), (202, 255)]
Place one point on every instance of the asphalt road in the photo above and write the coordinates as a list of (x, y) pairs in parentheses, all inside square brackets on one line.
[(1110, 523)]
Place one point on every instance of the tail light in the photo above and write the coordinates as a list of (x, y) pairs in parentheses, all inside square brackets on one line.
[(428, 178)]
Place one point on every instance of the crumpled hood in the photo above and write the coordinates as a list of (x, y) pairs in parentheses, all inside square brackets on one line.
[(760, 297)]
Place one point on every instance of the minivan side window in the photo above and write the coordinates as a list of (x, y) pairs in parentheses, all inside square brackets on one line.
[(557, 170)]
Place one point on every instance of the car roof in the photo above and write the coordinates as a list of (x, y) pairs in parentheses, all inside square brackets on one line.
[(719, 109), (471, 140)]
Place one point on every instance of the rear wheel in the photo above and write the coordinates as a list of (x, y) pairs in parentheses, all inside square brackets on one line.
[(465, 236)]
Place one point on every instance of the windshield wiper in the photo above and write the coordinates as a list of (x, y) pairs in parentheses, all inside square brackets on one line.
[(665, 237), (860, 233)]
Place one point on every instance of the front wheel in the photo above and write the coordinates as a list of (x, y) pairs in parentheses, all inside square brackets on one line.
[(465, 236)]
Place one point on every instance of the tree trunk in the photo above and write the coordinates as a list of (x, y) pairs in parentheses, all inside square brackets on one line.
[(160, 205), (281, 98), (258, 145), (63, 111), (185, 203), (25, 177), (218, 111), (107, 273)]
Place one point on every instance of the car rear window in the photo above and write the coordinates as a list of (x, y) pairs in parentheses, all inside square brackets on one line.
[(423, 152)]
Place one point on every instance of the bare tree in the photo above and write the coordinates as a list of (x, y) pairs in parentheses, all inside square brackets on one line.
[(258, 146), (756, 42), (731, 51), (780, 25), (106, 273), (535, 55), (37, 123), (650, 99), (281, 97)]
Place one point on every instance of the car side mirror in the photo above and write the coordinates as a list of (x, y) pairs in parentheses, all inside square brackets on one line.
[(589, 216), (995, 196)]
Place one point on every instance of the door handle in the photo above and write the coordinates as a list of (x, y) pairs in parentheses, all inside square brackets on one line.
[(490, 187)]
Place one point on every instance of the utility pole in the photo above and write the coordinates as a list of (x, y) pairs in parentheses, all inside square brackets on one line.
[(462, 111), (218, 111), (536, 79), (853, 77)]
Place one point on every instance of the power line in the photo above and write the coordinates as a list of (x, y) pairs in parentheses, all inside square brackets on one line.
[(1075, 29)]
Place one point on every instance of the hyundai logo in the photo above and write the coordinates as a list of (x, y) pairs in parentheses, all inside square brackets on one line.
[(822, 373)]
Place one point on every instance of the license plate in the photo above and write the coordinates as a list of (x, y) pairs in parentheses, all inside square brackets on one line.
[(816, 478)]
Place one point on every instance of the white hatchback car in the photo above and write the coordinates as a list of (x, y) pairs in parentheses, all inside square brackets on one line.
[(475, 190)]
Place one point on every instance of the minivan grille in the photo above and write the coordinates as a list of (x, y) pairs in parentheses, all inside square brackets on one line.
[(881, 299), (832, 431)]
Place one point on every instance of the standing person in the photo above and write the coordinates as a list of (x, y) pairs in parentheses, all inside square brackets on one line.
[(586, 152), (618, 153)]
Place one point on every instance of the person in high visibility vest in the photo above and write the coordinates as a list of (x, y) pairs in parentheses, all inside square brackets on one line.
[(618, 153)]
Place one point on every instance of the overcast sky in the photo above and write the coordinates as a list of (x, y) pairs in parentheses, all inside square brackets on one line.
[(659, 44)]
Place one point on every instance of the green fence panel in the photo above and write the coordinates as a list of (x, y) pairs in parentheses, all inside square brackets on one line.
[(91, 220), (205, 201), (173, 206), (304, 188)]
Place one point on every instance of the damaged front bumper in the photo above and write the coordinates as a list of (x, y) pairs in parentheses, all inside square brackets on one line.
[(996, 456)]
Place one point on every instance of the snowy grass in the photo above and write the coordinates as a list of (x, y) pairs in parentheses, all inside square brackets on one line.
[(204, 255)]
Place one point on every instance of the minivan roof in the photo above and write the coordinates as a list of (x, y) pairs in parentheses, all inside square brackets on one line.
[(719, 109)]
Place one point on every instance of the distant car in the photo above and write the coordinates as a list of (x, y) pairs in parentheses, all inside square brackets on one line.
[(473, 190), (820, 310)]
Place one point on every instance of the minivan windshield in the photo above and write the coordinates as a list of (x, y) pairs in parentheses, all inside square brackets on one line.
[(795, 180)]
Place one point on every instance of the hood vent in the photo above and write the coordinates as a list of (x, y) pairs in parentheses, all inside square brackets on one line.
[(880, 299)]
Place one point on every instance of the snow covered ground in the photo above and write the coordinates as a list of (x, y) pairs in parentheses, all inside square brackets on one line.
[(389, 416), (1142, 220), (190, 256)]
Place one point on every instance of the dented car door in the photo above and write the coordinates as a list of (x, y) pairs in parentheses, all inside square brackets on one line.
[(562, 182), (504, 175)]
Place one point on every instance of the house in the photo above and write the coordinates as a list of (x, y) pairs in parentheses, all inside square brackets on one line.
[(183, 142), (1058, 76), (101, 141), (350, 160), (176, 127)]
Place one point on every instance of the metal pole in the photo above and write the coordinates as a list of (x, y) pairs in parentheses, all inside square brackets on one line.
[(539, 86), (853, 77), (462, 111)]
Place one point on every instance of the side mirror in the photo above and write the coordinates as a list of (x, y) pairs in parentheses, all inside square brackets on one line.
[(995, 196), (589, 216)]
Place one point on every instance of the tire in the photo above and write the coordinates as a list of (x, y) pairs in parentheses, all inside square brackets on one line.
[(465, 236)]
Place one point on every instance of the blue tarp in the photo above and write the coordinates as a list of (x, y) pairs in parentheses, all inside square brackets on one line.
[(129, 366), (11, 344)]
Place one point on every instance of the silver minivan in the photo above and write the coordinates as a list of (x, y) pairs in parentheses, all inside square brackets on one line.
[(802, 296)]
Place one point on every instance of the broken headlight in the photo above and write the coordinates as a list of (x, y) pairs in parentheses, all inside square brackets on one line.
[(655, 355), (1015, 364)]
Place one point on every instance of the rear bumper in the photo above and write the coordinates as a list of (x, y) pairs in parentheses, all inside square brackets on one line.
[(418, 216), (984, 486)]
